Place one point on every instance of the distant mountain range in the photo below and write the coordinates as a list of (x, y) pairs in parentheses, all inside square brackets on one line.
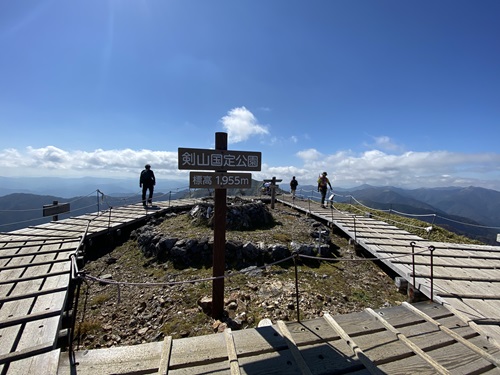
[(470, 211), (75, 187)]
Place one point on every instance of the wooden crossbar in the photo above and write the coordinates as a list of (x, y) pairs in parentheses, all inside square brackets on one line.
[(35, 277), (414, 348), (166, 350), (370, 366), (36, 253), (232, 357), (454, 335), (9, 322), (25, 265), (33, 294), (285, 333)]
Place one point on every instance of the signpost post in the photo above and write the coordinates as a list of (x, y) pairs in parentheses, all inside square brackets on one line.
[(219, 161), (273, 187)]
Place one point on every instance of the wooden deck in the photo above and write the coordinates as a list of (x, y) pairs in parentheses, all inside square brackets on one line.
[(466, 278), (457, 334), (35, 273), (424, 338)]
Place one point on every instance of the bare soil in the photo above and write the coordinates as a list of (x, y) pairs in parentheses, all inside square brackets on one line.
[(111, 315)]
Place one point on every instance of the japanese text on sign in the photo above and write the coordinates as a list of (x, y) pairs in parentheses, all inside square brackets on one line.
[(220, 180), (205, 159)]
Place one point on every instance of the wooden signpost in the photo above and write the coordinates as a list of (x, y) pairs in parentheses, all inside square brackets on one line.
[(273, 187), (220, 161), (54, 209)]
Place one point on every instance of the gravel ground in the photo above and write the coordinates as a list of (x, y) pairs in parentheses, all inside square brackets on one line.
[(109, 315)]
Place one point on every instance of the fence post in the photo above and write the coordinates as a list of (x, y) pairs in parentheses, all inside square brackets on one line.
[(295, 256), (412, 244), (431, 249)]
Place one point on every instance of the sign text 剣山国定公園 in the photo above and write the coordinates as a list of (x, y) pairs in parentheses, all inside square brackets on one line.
[(224, 160)]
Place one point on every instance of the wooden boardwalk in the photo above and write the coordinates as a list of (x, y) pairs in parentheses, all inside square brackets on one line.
[(424, 338), (466, 278), (35, 275), (457, 334)]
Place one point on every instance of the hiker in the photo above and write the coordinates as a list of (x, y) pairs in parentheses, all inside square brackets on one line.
[(323, 183), (293, 186), (147, 182)]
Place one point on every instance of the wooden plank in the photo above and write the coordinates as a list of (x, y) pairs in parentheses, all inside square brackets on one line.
[(269, 363), (192, 351), (310, 332), (46, 363), (135, 359), (29, 318), (458, 338), (358, 352), (234, 366), (12, 280), (257, 341), (166, 349), (440, 369), (411, 365), (331, 357), (9, 335), (293, 348), (26, 353)]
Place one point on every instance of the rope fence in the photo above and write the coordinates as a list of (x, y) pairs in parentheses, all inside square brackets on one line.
[(84, 276)]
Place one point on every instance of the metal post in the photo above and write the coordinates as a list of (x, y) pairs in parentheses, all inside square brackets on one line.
[(355, 235), (296, 286), (431, 249), (219, 239), (412, 244)]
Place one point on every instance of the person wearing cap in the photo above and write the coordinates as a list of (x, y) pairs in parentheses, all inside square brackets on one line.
[(323, 183), (147, 182)]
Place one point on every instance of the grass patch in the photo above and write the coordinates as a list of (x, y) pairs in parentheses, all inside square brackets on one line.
[(89, 327), (100, 299)]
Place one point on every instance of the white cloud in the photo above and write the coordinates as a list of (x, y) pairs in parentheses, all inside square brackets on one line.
[(53, 161), (309, 155), (345, 168), (240, 124), (385, 143), (409, 169)]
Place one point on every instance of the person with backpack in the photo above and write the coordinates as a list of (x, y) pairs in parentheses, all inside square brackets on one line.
[(293, 186), (323, 183), (147, 182)]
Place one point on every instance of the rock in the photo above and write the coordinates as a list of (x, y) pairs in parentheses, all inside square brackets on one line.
[(142, 331), (279, 252), (222, 327), (111, 260), (265, 323), (234, 323), (206, 304), (232, 306), (252, 271)]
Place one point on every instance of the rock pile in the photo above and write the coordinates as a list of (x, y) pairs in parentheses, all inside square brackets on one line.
[(198, 251), (241, 215)]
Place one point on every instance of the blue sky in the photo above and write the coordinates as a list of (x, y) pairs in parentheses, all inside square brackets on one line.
[(403, 93)]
